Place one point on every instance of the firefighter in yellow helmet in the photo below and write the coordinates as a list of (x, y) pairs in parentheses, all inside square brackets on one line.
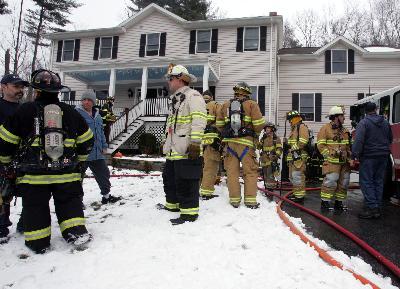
[(240, 122), (184, 132), (297, 155), (211, 146), (334, 145), (271, 147)]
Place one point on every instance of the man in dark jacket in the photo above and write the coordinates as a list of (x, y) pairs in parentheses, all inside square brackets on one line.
[(372, 148)]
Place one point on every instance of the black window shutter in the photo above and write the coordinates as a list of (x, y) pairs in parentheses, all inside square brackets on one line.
[(328, 62), (263, 38), (212, 89), (59, 50), (142, 45), (295, 101), (239, 41), (261, 98), (72, 95), (96, 48), (214, 41), (350, 64), (77, 47), (192, 43), (115, 47), (318, 107), (360, 95), (163, 43)]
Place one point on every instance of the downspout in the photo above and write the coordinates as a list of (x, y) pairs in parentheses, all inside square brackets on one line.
[(270, 77), (277, 62)]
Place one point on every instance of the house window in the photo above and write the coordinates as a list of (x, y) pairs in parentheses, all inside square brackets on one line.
[(251, 38), (307, 106), (153, 44), (68, 50), (203, 41), (105, 47), (396, 107), (339, 61), (69, 95), (254, 94)]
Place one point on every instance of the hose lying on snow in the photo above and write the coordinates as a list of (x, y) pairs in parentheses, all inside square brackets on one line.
[(378, 256)]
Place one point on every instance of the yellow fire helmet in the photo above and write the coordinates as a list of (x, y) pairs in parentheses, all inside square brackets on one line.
[(180, 72)]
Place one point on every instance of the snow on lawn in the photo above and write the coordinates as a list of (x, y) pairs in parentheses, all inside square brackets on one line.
[(135, 246)]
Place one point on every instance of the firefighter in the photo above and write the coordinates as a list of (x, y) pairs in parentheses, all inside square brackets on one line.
[(48, 139), (297, 155), (271, 147), (240, 122), (108, 117), (184, 132), (211, 145), (334, 144)]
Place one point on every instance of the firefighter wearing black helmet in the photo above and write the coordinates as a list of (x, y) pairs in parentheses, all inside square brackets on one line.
[(45, 141), (297, 155)]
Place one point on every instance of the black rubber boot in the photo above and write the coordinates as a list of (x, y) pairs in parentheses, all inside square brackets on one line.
[(208, 197), (110, 200), (183, 219), (296, 200), (253, 206), (163, 207), (326, 205), (339, 206)]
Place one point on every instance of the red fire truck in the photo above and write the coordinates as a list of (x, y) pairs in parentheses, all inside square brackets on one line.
[(388, 104)]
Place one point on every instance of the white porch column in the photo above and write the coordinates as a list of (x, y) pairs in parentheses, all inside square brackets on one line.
[(111, 88), (206, 75), (143, 89)]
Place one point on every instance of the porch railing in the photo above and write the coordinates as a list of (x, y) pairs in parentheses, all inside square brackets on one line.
[(125, 120), (156, 106)]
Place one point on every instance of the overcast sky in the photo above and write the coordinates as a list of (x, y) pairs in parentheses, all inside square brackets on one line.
[(107, 13)]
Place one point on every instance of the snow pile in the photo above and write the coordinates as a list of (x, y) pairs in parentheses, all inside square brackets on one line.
[(381, 49), (135, 246)]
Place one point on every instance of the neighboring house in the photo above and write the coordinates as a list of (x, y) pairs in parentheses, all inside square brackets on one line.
[(129, 61), (313, 79)]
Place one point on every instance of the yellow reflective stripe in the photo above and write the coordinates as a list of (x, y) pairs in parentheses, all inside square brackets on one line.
[(247, 118), (278, 145), (35, 142), (220, 123), (325, 152), (198, 114), (334, 160), (206, 192), (258, 121), (250, 199), (197, 134), (69, 142), (294, 147), (190, 211), (269, 149), (211, 117), (48, 179), (242, 141), (172, 206), (210, 135), (227, 119), (175, 156), (303, 140), (82, 158), (321, 141), (70, 223), (235, 200), (5, 159), (326, 195), (38, 234), (8, 136), (84, 137), (343, 142)]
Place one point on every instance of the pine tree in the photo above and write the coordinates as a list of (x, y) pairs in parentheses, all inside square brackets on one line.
[(3, 7), (187, 9), (48, 16)]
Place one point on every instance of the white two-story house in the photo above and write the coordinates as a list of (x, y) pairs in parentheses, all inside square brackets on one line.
[(313, 79), (129, 62)]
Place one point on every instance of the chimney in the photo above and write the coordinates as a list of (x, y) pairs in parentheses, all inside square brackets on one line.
[(273, 13)]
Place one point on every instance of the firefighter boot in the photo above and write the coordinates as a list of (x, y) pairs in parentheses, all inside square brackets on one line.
[(326, 205), (164, 207), (339, 206), (183, 219)]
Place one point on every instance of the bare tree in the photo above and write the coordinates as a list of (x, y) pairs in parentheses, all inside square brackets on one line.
[(3, 7), (386, 22), (308, 25), (289, 37)]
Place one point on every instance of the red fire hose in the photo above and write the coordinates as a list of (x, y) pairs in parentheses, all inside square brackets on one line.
[(378, 256)]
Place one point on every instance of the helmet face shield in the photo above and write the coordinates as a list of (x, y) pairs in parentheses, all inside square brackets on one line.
[(46, 80), (291, 114)]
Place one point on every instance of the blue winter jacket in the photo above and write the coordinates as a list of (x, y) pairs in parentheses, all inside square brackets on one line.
[(96, 125), (373, 137)]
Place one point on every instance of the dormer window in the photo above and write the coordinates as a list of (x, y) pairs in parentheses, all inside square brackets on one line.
[(339, 61)]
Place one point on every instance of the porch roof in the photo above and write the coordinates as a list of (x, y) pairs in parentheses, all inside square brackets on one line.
[(134, 74)]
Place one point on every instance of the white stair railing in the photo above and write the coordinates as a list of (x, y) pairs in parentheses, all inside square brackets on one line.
[(126, 119)]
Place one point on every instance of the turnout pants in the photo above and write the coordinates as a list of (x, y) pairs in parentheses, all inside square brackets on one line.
[(250, 173), (212, 159), (298, 178), (336, 181), (37, 222), (181, 180)]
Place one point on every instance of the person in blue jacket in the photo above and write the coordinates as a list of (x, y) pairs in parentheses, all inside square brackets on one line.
[(96, 160)]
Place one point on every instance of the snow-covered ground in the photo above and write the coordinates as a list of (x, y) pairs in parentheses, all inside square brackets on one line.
[(135, 246)]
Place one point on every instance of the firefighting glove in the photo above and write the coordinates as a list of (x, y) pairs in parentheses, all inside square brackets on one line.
[(194, 151)]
